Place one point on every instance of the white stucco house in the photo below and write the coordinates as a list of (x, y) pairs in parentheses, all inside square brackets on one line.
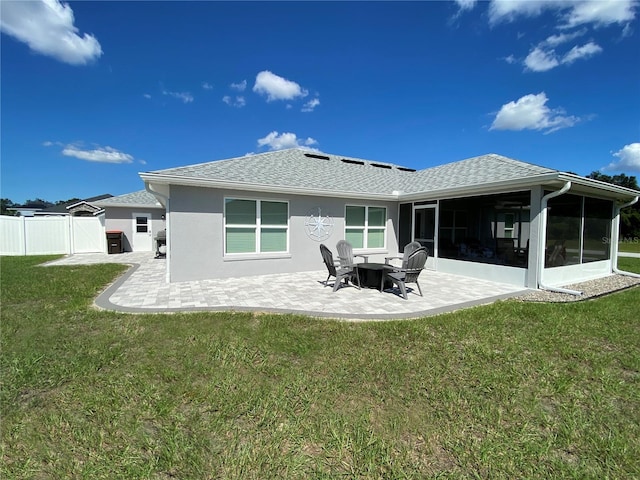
[(489, 216)]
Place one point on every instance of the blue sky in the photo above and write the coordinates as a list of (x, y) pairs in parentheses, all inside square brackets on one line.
[(95, 92)]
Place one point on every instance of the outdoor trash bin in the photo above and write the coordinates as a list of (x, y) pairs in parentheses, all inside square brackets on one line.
[(114, 241)]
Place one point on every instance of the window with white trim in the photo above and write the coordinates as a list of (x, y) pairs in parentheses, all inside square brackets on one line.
[(509, 222), (256, 226), (365, 227)]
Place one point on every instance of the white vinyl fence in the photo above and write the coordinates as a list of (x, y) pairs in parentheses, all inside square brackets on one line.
[(51, 235)]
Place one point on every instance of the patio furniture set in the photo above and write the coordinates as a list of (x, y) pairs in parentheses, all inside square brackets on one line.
[(382, 276)]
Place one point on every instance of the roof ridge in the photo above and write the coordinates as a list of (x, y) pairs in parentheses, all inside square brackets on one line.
[(504, 158), (225, 160)]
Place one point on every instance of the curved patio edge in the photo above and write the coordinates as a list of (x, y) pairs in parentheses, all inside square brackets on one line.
[(103, 301)]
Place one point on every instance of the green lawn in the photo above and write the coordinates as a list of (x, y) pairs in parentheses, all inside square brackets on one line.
[(510, 390), (630, 246)]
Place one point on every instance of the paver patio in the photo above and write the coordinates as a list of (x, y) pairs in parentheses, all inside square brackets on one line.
[(143, 289)]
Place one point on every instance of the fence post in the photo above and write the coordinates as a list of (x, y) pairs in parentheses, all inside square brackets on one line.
[(23, 244), (70, 233)]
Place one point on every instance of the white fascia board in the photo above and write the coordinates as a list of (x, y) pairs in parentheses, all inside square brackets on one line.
[(131, 205), (502, 186), (208, 183), (599, 186), (78, 203)]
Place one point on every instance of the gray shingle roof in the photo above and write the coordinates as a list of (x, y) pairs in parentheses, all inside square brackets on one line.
[(474, 171), (296, 168), (141, 198), (302, 169)]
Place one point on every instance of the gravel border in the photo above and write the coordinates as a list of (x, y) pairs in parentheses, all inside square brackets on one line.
[(591, 289)]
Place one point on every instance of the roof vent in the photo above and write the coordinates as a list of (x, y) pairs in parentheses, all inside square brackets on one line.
[(380, 165), (405, 169), (313, 155), (352, 162)]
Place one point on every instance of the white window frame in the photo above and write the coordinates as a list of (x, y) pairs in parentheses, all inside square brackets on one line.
[(258, 226), (509, 232), (366, 226)]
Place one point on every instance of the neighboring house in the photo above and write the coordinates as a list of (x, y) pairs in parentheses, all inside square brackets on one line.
[(25, 210), (28, 209), (77, 208), (138, 215), (490, 216)]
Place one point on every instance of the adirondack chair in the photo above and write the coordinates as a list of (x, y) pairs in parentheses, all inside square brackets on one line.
[(335, 269), (409, 248), (409, 274)]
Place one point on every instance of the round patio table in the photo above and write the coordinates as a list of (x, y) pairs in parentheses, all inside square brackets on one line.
[(371, 275)]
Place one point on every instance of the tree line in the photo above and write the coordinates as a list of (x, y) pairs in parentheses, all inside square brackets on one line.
[(6, 204), (629, 217)]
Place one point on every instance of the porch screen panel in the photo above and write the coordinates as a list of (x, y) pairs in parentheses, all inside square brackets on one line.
[(564, 221), (404, 225), (597, 229)]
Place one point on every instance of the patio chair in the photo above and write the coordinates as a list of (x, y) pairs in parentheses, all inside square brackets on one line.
[(345, 254), (336, 270), (409, 248), (409, 274), (556, 255)]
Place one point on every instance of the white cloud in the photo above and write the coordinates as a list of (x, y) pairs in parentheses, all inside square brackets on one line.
[(559, 39), (186, 97), (585, 51), (277, 141), (464, 6), (277, 88), (98, 154), (508, 10), (628, 159), (311, 105), (572, 12), (207, 86), (147, 96), (540, 60), (241, 87), (47, 27), (237, 102), (531, 113), (601, 13)]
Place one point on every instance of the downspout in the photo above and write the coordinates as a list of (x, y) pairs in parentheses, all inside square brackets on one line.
[(614, 249), (147, 187), (543, 237)]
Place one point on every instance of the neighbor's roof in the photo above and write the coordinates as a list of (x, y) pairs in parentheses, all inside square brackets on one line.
[(309, 172), (141, 198)]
